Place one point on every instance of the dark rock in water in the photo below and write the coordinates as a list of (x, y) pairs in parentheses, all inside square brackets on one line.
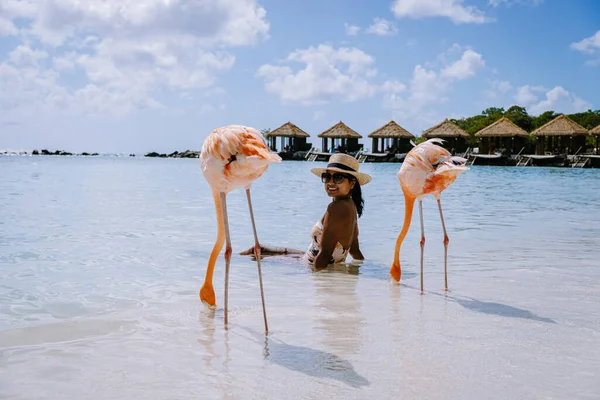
[(175, 154), (132, 155), (45, 152), (186, 154), (155, 154)]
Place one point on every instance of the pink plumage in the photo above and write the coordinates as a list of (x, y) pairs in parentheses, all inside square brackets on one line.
[(232, 158), (427, 169)]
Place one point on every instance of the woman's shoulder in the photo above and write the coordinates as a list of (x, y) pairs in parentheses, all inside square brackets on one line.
[(341, 208)]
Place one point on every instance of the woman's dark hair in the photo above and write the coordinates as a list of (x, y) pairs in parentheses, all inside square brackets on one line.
[(356, 194)]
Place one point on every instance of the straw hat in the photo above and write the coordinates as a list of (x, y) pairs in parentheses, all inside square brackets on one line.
[(346, 164)]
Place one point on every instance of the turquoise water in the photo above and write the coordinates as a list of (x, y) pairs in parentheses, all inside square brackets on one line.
[(101, 260)]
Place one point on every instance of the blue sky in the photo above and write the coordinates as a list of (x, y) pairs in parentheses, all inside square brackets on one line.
[(136, 76)]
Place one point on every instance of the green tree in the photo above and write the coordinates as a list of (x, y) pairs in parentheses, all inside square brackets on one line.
[(543, 119), (520, 117), (493, 112), (589, 119)]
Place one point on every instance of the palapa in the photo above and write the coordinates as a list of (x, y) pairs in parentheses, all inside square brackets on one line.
[(445, 129), (504, 127), (391, 130), (288, 130), (561, 126), (340, 130), (595, 131)]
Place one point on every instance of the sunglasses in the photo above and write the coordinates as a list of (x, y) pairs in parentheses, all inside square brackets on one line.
[(337, 178)]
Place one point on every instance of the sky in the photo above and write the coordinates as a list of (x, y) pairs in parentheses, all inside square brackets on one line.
[(159, 75)]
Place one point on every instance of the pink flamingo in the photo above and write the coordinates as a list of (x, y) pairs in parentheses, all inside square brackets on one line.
[(427, 169), (232, 157)]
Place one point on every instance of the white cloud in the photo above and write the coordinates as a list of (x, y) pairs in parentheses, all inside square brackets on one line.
[(65, 62), (30, 90), (25, 55), (382, 27), (7, 28), (468, 64), (503, 86), (526, 97), (351, 30), (429, 87), (392, 86), (560, 100), (128, 51), (166, 62), (328, 74), (222, 22), (590, 46), (452, 9), (497, 89)]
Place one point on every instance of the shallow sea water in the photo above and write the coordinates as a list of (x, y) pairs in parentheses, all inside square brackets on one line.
[(101, 260)]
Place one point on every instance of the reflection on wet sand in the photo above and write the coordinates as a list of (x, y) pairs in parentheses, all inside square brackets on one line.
[(340, 316), (219, 375)]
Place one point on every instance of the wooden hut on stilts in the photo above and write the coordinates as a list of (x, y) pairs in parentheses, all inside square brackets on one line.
[(292, 140), (339, 139), (590, 158), (391, 142), (500, 143), (455, 137), (556, 140)]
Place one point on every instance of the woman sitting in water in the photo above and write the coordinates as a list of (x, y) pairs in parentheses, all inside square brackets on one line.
[(335, 235)]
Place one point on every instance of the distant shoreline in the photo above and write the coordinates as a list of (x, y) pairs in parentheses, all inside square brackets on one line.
[(44, 152)]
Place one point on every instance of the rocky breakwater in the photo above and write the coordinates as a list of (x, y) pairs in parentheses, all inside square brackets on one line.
[(176, 154)]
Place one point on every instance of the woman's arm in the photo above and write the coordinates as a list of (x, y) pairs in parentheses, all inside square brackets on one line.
[(354, 248)]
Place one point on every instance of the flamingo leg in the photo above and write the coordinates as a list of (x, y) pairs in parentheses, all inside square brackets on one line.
[(207, 292), (422, 240), (257, 255), (227, 254), (446, 240)]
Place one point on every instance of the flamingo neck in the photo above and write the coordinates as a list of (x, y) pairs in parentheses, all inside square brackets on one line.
[(409, 202), (220, 238)]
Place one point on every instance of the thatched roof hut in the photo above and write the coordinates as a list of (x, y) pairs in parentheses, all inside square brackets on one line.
[(445, 129), (288, 130), (561, 126), (456, 138), (504, 127), (393, 136), (595, 131), (293, 139), (562, 135), (340, 130), (391, 130), (346, 138), (501, 136)]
